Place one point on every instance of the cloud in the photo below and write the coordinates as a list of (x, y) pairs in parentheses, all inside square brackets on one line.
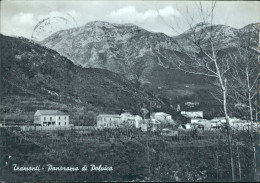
[(19, 18), (169, 11), (19, 24), (129, 14), (24, 19)]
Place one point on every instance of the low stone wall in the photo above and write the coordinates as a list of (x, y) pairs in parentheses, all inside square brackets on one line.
[(49, 128)]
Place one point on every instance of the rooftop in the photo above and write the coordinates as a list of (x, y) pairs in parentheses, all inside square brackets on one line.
[(160, 113), (188, 108), (109, 115), (50, 112)]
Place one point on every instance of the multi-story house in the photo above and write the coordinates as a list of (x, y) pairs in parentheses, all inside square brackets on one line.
[(161, 117), (51, 118), (108, 120), (115, 120), (192, 114)]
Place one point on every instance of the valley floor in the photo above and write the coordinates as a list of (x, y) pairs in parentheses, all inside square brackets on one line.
[(132, 155)]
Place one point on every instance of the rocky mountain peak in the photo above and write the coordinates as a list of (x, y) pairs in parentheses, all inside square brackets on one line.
[(129, 49)]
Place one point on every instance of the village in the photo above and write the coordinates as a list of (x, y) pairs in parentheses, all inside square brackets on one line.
[(156, 137), (157, 122)]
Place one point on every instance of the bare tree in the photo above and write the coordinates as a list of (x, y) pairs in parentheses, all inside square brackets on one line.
[(244, 82), (257, 64), (245, 75), (244, 78), (200, 47)]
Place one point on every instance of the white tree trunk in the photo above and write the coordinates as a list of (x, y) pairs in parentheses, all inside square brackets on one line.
[(239, 166), (251, 120), (228, 134), (223, 85), (249, 95)]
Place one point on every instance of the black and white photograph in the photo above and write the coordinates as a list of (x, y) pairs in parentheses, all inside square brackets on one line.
[(129, 91)]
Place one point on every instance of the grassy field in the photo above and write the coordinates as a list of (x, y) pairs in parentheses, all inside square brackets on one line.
[(134, 156)]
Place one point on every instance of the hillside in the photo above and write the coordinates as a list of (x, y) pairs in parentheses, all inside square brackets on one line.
[(33, 77)]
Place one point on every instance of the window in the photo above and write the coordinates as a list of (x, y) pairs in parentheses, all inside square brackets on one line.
[(44, 118), (65, 123), (59, 123), (59, 118), (50, 118), (65, 117)]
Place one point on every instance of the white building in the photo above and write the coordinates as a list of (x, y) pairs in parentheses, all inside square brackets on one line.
[(161, 117), (132, 119), (51, 118), (192, 114), (195, 120), (115, 120), (169, 132), (223, 120), (219, 120), (199, 120), (108, 120), (192, 104), (234, 123), (146, 123), (144, 127)]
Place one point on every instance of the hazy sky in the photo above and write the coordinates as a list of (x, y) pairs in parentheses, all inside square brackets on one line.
[(20, 17)]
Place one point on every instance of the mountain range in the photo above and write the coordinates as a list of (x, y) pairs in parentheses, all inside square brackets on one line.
[(34, 77), (105, 67), (146, 57), (132, 51)]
